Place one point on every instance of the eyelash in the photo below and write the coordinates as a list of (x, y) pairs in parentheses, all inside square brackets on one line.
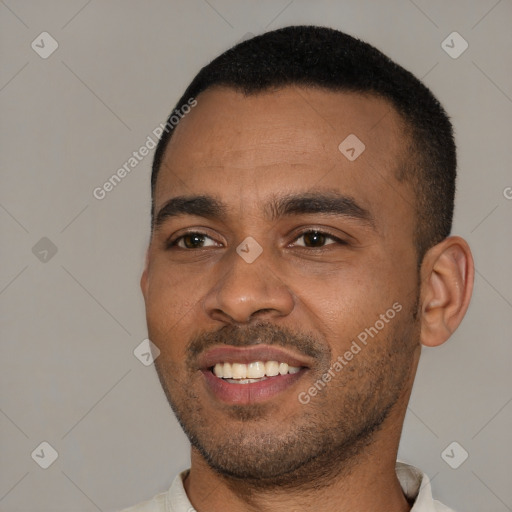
[(174, 243)]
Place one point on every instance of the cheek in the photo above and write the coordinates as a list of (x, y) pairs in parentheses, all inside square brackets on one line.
[(348, 298), (173, 288), (172, 303), (365, 302)]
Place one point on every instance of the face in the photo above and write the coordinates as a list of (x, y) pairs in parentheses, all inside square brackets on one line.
[(281, 279)]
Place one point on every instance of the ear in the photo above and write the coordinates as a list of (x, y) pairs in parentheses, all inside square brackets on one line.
[(447, 274), (144, 278)]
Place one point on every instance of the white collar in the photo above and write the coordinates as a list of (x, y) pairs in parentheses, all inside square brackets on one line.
[(415, 485)]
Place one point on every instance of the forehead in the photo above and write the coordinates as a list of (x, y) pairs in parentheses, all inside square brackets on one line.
[(285, 140)]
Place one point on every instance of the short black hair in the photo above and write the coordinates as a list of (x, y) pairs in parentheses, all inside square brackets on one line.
[(321, 57)]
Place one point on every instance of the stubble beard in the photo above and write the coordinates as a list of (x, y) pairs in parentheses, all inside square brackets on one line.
[(324, 439)]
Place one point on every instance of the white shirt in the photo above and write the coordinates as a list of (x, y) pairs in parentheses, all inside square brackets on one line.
[(415, 485)]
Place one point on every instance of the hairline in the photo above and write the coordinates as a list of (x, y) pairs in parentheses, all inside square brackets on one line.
[(406, 126)]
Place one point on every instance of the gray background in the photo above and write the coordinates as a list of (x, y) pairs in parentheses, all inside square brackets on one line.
[(71, 322)]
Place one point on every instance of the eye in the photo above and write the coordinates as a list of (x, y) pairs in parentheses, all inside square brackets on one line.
[(316, 239), (193, 240)]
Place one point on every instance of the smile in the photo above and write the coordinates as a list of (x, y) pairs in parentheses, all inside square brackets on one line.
[(257, 371), (245, 375)]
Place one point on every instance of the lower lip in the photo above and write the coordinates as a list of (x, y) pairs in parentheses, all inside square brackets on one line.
[(242, 394)]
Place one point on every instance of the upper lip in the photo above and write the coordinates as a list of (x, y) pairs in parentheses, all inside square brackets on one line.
[(230, 354)]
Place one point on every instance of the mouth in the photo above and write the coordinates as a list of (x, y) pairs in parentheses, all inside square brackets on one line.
[(256, 371), (246, 375)]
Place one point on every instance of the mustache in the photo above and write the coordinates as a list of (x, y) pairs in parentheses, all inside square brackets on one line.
[(258, 334)]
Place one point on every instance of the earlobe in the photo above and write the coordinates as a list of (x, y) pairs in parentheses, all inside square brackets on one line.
[(447, 283)]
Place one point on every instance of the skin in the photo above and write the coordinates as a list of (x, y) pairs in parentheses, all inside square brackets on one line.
[(338, 451)]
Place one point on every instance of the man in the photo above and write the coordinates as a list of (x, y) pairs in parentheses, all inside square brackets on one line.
[(300, 256)]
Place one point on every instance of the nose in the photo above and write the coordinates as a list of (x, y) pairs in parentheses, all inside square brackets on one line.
[(246, 291)]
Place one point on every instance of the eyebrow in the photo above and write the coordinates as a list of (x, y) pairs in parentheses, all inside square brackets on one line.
[(334, 204), (201, 206)]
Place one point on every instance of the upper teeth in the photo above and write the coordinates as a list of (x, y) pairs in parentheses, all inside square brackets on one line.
[(255, 370)]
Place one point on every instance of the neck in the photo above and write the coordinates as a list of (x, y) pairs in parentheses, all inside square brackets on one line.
[(365, 482)]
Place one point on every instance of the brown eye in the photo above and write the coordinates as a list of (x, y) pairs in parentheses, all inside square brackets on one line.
[(316, 239), (193, 241)]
